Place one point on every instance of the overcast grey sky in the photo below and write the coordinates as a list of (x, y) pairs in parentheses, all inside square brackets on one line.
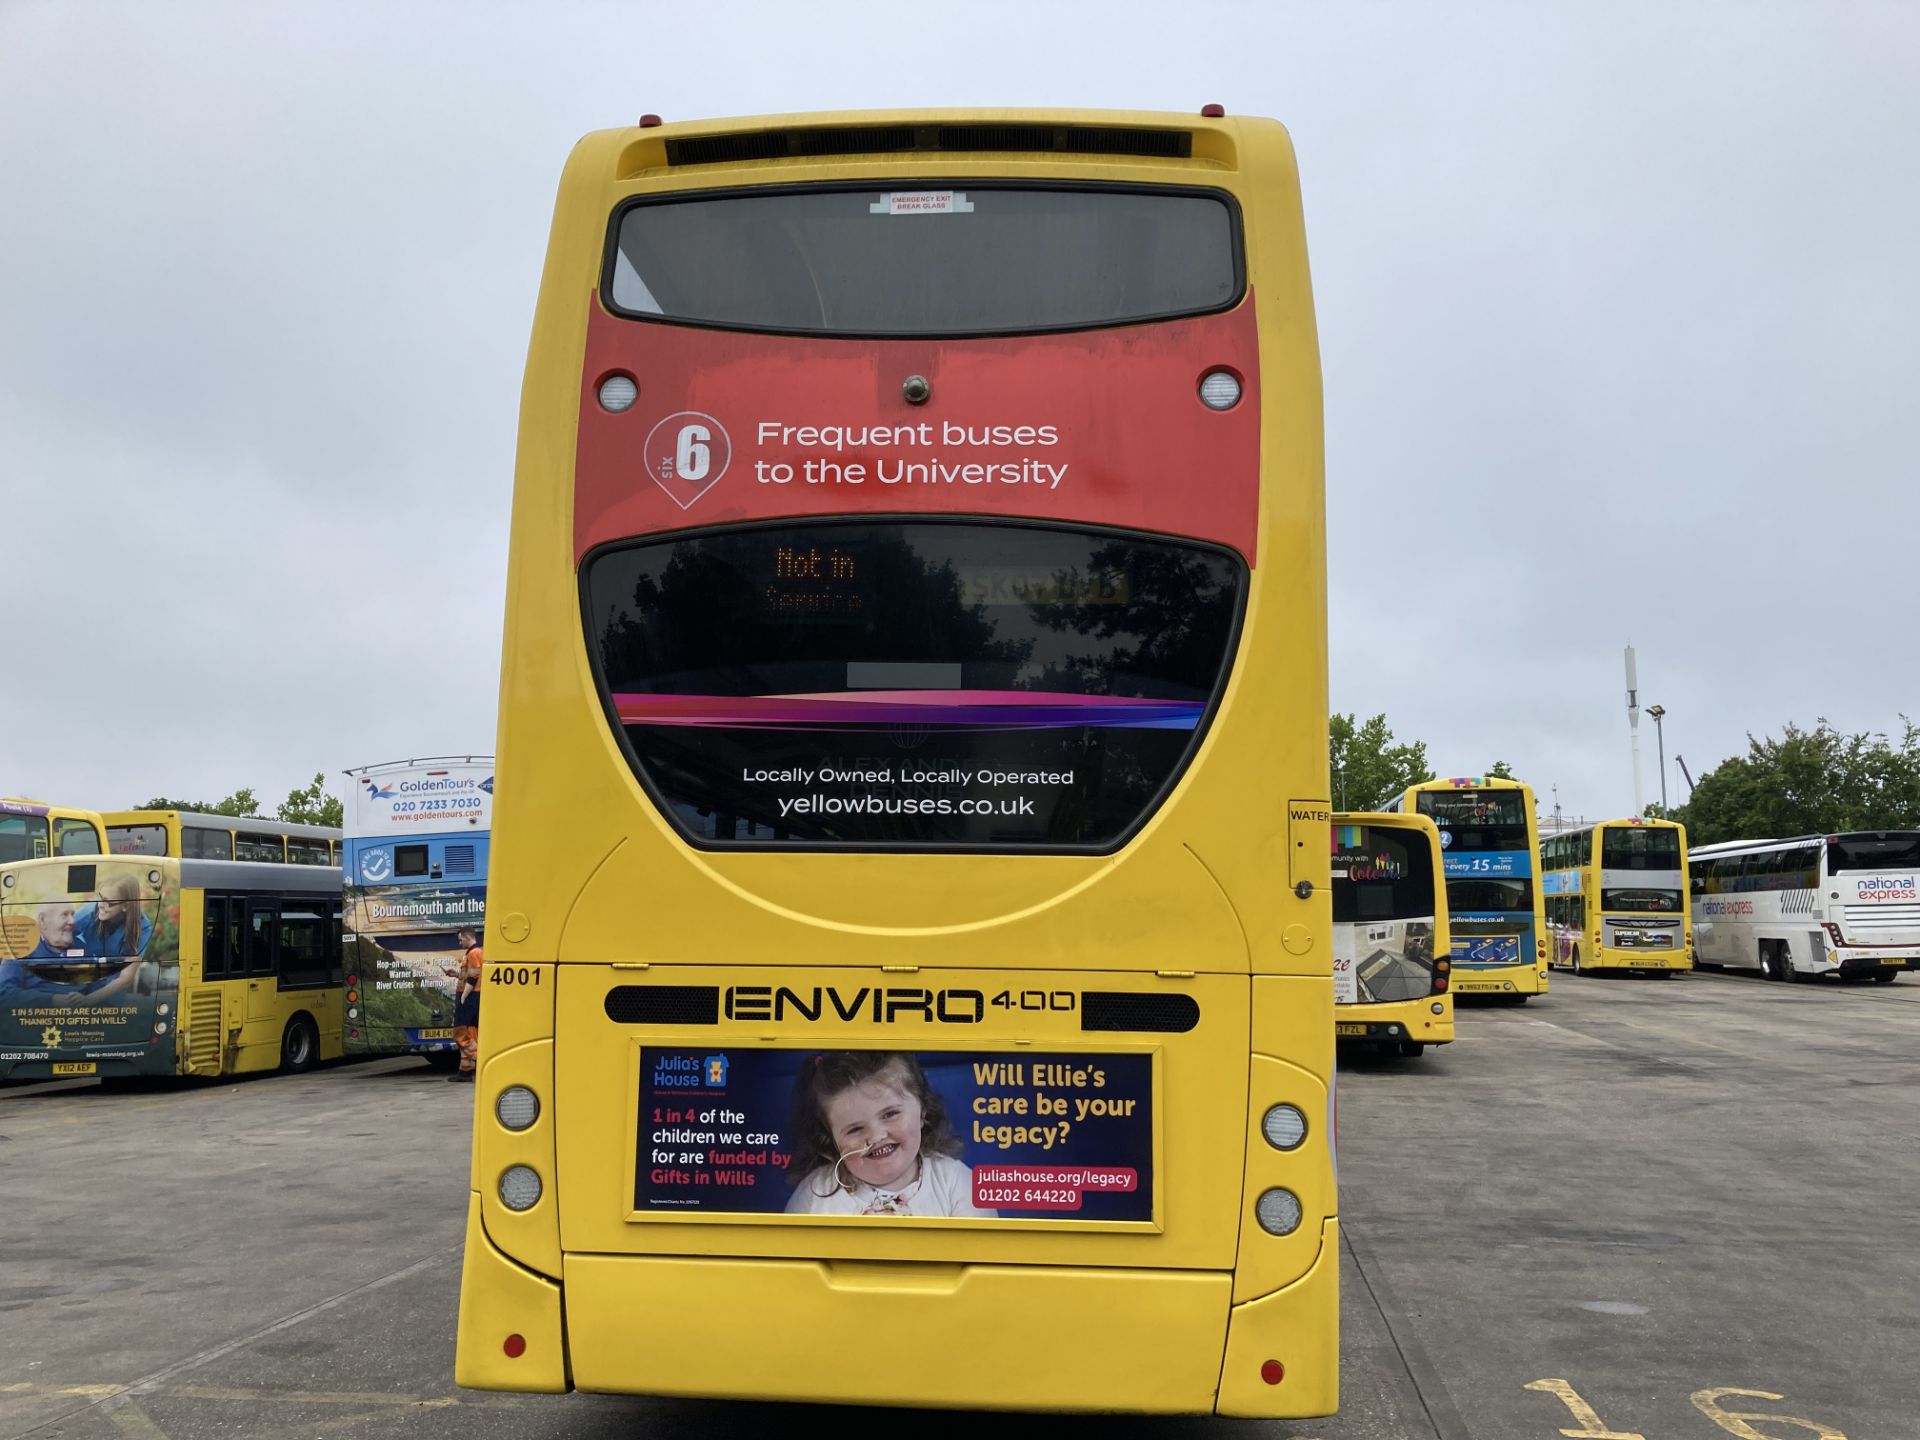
[(1619, 308)]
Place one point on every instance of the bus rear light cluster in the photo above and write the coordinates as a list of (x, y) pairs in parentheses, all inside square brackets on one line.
[(1284, 1126), (1278, 1212), (1442, 974), (517, 1108), (1220, 389), (1834, 931), (618, 392), (520, 1188)]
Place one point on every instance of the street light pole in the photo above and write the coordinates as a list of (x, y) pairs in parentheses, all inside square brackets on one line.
[(1660, 737)]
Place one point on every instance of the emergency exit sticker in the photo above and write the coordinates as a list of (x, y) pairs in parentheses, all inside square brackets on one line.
[(922, 202)]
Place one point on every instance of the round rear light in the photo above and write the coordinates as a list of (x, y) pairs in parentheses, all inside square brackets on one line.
[(617, 393), (520, 1188), (517, 1108), (1284, 1127), (1273, 1372), (1220, 389), (515, 1346), (1278, 1212)]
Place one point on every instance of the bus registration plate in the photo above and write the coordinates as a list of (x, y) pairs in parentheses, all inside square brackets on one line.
[(75, 1067), (439, 1034), (1348, 1027)]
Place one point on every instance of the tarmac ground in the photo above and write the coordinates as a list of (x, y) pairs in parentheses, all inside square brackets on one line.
[(1633, 1209)]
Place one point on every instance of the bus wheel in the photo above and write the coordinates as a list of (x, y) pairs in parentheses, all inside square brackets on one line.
[(1885, 977), (1412, 1049), (443, 1059), (1576, 960), (1770, 967), (299, 1046)]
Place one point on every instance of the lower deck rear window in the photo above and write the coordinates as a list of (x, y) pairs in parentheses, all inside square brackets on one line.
[(935, 685)]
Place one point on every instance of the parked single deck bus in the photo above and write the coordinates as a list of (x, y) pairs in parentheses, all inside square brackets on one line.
[(1844, 905), (416, 877), (914, 683), (186, 835), (1616, 897), (1391, 947), (30, 830), (1489, 838), (120, 965)]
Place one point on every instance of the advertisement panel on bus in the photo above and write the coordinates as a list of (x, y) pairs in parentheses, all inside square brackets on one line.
[(416, 879), (89, 968)]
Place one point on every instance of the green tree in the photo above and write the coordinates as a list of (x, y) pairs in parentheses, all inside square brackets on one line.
[(1500, 770), (1808, 781), (311, 805), (240, 802), (1368, 769)]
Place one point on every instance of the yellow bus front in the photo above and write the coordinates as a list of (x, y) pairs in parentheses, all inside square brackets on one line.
[(1491, 843), (1637, 914), (914, 683), (1392, 946)]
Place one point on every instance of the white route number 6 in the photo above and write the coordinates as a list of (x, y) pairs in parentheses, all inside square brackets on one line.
[(691, 456)]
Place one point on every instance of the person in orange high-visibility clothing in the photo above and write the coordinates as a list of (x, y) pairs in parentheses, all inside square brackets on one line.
[(466, 1005)]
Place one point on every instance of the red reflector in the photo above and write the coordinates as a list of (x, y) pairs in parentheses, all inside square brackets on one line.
[(647, 122), (1273, 1372), (515, 1347), (1213, 112)]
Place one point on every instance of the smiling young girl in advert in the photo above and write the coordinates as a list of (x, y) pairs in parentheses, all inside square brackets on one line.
[(870, 1137)]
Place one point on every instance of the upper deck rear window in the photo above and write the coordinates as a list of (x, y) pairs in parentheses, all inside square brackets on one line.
[(924, 260)]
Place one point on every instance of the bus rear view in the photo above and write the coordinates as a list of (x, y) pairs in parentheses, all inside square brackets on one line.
[(914, 682)]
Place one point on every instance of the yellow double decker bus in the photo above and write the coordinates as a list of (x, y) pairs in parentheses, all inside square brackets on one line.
[(1490, 843), (188, 835), (122, 966), (1616, 897), (1392, 949), (910, 909), (30, 830)]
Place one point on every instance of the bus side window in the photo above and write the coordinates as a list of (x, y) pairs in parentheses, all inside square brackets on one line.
[(199, 843), (264, 939), (213, 953), (74, 837), (270, 849), (303, 944), (307, 852)]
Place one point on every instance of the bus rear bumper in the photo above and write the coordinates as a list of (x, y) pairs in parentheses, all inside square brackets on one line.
[(500, 1300), (975, 1337), (1290, 1326)]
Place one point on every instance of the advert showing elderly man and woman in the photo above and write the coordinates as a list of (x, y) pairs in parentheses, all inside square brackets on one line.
[(89, 962)]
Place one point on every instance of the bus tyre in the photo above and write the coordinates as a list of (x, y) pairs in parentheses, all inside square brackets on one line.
[(1412, 1049), (1575, 961), (1885, 977), (1770, 967), (443, 1059), (299, 1046)]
